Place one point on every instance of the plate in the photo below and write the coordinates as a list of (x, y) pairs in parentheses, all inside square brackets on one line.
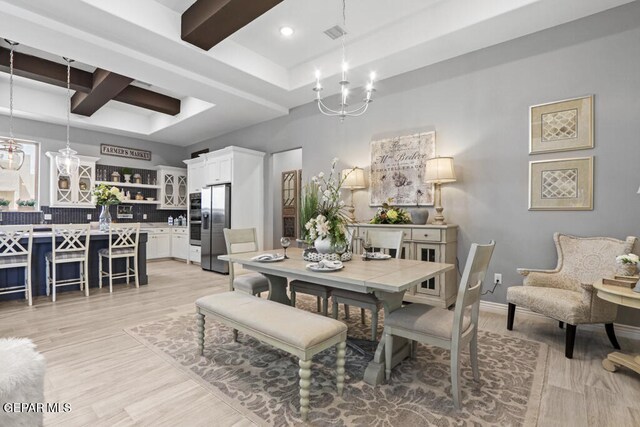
[(268, 258), (378, 256), (315, 266)]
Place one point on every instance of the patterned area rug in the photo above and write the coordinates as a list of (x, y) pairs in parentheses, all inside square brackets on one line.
[(262, 382)]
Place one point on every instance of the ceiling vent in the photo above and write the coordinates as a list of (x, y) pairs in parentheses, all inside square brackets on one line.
[(335, 32)]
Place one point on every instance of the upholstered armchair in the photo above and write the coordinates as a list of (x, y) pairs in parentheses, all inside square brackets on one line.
[(566, 293)]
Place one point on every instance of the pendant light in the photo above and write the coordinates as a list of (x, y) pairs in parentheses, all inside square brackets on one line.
[(66, 160), (11, 153)]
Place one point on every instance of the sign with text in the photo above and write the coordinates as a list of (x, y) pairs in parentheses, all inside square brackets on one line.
[(398, 167), (131, 153)]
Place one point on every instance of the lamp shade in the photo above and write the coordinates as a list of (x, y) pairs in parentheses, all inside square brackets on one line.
[(353, 179), (439, 170)]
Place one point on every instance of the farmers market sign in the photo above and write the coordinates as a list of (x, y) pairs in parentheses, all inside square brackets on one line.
[(131, 153)]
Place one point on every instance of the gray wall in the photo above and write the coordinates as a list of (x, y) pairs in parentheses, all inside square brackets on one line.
[(87, 143), (478, 103)]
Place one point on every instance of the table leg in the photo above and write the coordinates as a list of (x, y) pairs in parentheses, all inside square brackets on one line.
[(374, 374), (278, 289), (615, 359)]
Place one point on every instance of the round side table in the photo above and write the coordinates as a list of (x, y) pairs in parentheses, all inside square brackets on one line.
[(628, 298)]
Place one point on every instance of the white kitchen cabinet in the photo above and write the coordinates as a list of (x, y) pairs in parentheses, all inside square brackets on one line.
[(72, 191), (158, 243), (174, 192), (194, 254), (179, 243), (244, 169)]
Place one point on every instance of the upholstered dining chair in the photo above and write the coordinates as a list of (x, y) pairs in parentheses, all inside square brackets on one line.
[(451, 330), (385, 241), (240, 240), (566, 293), (321, 292)]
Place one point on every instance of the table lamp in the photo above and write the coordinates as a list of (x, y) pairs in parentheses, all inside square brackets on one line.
[(438, 171), (353, 180)]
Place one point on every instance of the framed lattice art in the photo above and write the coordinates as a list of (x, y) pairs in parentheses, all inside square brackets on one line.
[(561, 126), (565, 184)]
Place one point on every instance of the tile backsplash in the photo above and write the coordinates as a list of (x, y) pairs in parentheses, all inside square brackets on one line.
[(79, 215)]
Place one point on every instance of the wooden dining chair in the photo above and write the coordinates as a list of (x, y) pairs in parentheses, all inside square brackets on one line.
[(451, 330), (16, 253), (244, 240), (385, 241)]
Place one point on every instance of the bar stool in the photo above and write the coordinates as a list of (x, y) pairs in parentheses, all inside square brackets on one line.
[(123, 243), (14, 254), (69, 244)]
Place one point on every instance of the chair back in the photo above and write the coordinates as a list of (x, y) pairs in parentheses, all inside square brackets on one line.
[(386, 240), (471, 285), (239, 240), (122, 236), (10, 237), (587, 259), (69, 238)]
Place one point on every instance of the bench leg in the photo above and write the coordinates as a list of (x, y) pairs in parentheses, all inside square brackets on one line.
[(200, 332), (305, 384), (340, 351)]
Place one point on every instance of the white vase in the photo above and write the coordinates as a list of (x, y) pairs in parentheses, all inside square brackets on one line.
[(323, 245), (127, 178)]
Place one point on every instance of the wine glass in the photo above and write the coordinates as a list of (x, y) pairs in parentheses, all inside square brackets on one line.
[(285, 242), (366, 244)]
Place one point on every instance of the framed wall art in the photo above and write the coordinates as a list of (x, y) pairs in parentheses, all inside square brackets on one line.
[(565, 184), (398, 168), (561, 126)]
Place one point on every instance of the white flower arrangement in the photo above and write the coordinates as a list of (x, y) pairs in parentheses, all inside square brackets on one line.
[(627, 259)]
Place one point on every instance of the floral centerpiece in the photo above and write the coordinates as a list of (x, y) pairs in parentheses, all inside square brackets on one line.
[(327, 221), (106, 196), (389, 214), (628, 264)]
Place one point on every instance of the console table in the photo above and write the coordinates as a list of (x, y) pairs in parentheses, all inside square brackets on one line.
[(628, 298), (432, 243)]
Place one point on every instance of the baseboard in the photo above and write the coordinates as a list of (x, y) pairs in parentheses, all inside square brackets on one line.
[(626, 331)]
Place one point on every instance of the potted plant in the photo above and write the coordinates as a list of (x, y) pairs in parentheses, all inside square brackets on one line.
[(327, 225), (389, 214), (127, 174), (106, 196), (26, 205), (4, 204), (627, 264)]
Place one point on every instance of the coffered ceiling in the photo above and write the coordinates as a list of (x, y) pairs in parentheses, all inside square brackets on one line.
[(256, 74)]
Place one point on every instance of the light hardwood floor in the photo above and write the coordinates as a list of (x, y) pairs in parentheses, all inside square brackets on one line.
[(110, 379)]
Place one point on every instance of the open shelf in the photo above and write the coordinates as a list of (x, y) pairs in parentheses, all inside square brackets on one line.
[(141, 202), (128, 184)]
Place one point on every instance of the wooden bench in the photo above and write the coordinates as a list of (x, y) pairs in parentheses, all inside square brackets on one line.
[(297, 332)]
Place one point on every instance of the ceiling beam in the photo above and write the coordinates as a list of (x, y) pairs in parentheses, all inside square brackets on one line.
[(106, 85), (143, 98), (54, 73), (45, 71), (207, 22)]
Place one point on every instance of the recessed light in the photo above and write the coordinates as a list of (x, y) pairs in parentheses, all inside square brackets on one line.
[(286, 31)]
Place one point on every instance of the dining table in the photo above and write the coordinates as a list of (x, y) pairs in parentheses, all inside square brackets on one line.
[(388, 279)]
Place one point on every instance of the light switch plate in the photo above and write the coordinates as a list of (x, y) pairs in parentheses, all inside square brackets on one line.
[(88, 217), (144, 216), (47, 217)]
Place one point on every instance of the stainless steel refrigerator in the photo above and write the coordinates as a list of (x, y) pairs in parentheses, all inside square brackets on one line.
[(216, 216)]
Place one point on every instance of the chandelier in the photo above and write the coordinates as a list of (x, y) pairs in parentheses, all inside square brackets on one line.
[(11, 153), (343, 108), (66, 160)]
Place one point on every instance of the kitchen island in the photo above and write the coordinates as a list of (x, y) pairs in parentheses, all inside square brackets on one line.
[(42, 244)]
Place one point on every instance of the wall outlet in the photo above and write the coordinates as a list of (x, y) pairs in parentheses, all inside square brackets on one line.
[(88, 217), (47, 217), (497, 278), (144, 216)]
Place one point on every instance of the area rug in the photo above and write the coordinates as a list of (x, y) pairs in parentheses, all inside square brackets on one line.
[(261, 382)]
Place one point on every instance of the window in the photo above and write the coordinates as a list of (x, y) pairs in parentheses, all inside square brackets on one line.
[(23, 183)]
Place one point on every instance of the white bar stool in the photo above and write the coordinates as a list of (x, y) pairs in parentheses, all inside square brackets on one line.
[(123, 243), (73, 248), (14, 254)]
